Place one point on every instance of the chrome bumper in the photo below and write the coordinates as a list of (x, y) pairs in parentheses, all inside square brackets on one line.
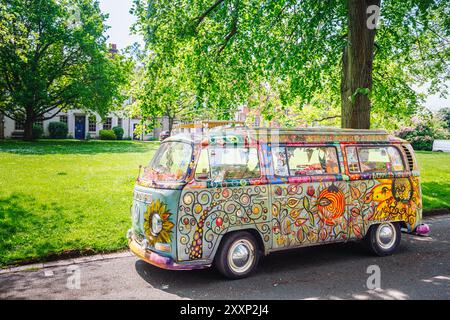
[(157, 259)]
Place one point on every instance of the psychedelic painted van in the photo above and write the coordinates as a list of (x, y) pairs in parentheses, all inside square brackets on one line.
[(229, 196)]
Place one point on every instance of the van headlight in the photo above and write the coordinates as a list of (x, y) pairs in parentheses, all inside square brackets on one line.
[(156, 224)]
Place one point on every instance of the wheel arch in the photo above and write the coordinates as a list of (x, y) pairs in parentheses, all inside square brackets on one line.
[(254, 232)]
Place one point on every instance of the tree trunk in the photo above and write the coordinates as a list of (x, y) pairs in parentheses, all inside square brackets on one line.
[(357, 60), (28, 125), (170, 123), (2, 126)]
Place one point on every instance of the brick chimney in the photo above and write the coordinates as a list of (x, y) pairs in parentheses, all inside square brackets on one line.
[(113, 48)]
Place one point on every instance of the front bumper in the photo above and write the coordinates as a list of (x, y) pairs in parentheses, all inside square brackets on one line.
[(159, 260)]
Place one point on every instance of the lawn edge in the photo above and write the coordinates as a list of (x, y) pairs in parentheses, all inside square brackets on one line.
[(41, 263)]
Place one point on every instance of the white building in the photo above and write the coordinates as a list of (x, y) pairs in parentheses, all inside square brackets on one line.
[(82, 125)]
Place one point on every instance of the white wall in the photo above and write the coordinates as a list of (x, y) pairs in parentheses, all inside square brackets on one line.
[(127, 124)]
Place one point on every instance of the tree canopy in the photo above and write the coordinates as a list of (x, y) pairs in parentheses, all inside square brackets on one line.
[(334, 56), (53, 56)]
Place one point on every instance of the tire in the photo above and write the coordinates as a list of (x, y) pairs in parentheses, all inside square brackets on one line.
[(239, 243), (384, 238)]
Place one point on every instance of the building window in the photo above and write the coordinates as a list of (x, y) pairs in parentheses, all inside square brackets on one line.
[(18, 125), (63, 119), (119, 122), (92, 124), (107, 125), (39, 122)]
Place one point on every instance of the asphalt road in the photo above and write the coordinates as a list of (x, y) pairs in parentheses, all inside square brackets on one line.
[(419, 270)]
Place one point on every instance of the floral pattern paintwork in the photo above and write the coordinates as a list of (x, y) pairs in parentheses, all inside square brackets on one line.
[(286, 211)]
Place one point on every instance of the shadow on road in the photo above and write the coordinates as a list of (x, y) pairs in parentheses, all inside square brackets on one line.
[(288, 267)]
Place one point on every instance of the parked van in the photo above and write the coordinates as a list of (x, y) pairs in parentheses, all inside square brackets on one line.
[(229, 196), (441, 145)]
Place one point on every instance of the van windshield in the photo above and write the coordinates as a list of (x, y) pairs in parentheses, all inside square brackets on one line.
[(170, 162)]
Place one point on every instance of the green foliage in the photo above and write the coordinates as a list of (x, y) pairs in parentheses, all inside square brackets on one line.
[(58, 130), (107, 135), (444, 115), (38, 131), (53, 56), (118, 131), (423, 132), (227, 50)]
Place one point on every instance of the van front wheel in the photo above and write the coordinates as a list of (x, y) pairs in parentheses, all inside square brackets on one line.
[(238, 255), (384, 238)]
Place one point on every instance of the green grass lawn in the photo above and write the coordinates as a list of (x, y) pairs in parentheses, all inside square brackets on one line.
[(71, 196), (59, 196), (435, 173)]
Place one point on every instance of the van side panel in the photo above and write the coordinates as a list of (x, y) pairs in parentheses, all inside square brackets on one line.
[(393, 196), (310, 213), (205, 215), (388, 199)]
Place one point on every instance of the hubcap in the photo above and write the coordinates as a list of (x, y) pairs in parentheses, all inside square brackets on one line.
[(386, 235), (241, 256)]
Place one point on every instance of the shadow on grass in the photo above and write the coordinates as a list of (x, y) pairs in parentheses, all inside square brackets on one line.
[(42, 147), (16, 219), (27, 236)]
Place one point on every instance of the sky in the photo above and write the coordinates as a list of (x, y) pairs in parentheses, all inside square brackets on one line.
[(120, 21)]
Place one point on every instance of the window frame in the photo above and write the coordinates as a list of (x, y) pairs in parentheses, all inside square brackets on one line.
[(258, 152), (285, 146), (92, 120), (65, 117), (373, 146), (108, 119), (19, 126)]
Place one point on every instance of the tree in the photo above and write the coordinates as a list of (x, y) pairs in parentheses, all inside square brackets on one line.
[(444, 115), (310, 49), (53, 56)]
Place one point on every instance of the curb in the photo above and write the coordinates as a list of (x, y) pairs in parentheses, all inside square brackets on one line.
[(66, 262)]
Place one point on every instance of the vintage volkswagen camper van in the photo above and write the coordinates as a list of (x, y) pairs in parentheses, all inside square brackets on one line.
[(229, 196)]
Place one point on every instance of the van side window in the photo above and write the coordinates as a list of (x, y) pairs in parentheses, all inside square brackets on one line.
[(396, 159), (202, 170), (223, 163), (378, 159), (280, 161), (352, 159), (305, 161)]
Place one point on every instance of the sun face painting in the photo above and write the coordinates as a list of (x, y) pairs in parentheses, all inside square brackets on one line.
[(160, 209), (397, 199)]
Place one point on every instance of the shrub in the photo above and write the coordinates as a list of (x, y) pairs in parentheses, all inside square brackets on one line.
[(38, 131), (58, 130), (107, 135), (422, 134), (118, 131)]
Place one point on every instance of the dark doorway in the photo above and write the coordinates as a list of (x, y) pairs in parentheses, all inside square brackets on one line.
[(135, 135), (80, 127)]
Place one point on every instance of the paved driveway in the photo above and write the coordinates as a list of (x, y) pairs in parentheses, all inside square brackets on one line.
[(420, 269)]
